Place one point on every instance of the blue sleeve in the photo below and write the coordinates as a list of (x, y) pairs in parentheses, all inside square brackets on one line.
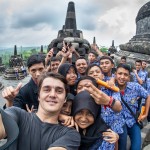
[(107, 146)]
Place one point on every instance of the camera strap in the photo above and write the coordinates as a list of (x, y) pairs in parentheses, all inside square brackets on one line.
[(136, 119)]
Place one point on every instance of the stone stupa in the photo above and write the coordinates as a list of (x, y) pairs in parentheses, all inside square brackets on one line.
[(69, 33), (2, 66), (112, 48), (15, 63), (139, 46)]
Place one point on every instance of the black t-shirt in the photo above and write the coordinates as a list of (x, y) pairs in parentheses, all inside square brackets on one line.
[(37, 135)]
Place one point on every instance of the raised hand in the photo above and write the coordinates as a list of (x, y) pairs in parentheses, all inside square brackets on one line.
[(30, 110), (100, 97), (9, 93), (66, 120)]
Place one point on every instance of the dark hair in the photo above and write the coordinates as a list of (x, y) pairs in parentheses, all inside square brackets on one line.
[(107, 57), (88, 78), (91, 66), (35, 59), (81, 57), (125, 66), (93, 52), (51, 75), (55, 59), (64, 68), (138, 61), (123, 57)]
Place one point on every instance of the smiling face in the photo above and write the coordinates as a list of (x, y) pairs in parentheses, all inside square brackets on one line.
[(138, 66), (84, 118), (81, 66), (71, 76), (95, 72), (106, 65), (52, 95), (91, 57), (82, 84), (122, 76), (54, 66), (144, 64), (66, 109)]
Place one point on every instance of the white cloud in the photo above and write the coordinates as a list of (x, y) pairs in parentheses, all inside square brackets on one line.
[(36, 22)]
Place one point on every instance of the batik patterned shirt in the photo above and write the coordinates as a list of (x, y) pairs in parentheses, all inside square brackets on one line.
[(114, 119), (104, 146), (142, 75), (131, 94)]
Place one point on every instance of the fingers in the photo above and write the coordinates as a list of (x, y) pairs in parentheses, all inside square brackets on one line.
[(76, 126), (110, 136), (67, 121), (8, 93), (72, 123), (18, 86), (142, 117), (28, 109), (32, 108)]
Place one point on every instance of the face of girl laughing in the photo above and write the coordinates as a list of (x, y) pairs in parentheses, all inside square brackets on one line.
[(71, 76), (84, 119)]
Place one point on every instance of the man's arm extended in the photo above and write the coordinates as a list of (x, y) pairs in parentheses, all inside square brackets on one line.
[(2, 129)]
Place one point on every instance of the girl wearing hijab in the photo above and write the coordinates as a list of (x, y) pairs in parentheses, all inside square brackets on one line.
[(95, 134), (70, 73)]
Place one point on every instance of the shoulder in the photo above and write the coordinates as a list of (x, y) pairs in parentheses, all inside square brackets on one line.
[(16, 113), (133, 84), (63, 131), (15, 110)]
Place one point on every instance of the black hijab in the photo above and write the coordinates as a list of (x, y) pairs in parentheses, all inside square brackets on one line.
[(83, 100), (63, 70)]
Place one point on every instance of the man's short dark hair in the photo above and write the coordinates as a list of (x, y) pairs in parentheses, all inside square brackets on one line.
[(35, 59), (123, 57), (88, 78), (81, 57), (93, 52), (138, 61), (51, 75), (125, 66), (90, 66), (107, 57), (55, 59)]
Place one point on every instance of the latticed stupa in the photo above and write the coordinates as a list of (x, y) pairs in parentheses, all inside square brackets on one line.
[(69, 33), (15, 64)]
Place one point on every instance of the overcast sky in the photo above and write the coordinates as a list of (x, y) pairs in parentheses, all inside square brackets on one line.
[(36, 22)]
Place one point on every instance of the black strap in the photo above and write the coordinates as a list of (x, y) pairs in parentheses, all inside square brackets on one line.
[(129, 109)]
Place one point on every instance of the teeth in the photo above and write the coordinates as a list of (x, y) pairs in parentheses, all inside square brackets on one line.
[(82, 123)]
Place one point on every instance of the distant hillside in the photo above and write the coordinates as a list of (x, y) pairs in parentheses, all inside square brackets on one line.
[(10, 50), (25, 52)]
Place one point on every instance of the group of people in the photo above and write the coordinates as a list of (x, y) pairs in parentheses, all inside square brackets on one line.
[(64, 107)]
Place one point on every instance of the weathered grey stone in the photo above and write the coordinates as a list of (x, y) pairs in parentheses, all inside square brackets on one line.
[(70, 34), (138, 47)]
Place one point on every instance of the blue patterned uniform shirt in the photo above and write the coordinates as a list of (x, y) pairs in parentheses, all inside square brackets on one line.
[(106, 78), (114, 119), (132, 92), (142, 75), (104, 146), (148, 85)]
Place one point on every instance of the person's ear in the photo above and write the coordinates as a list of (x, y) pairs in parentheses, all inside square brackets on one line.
[(38, 98), (65, 100), (112, 65)]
